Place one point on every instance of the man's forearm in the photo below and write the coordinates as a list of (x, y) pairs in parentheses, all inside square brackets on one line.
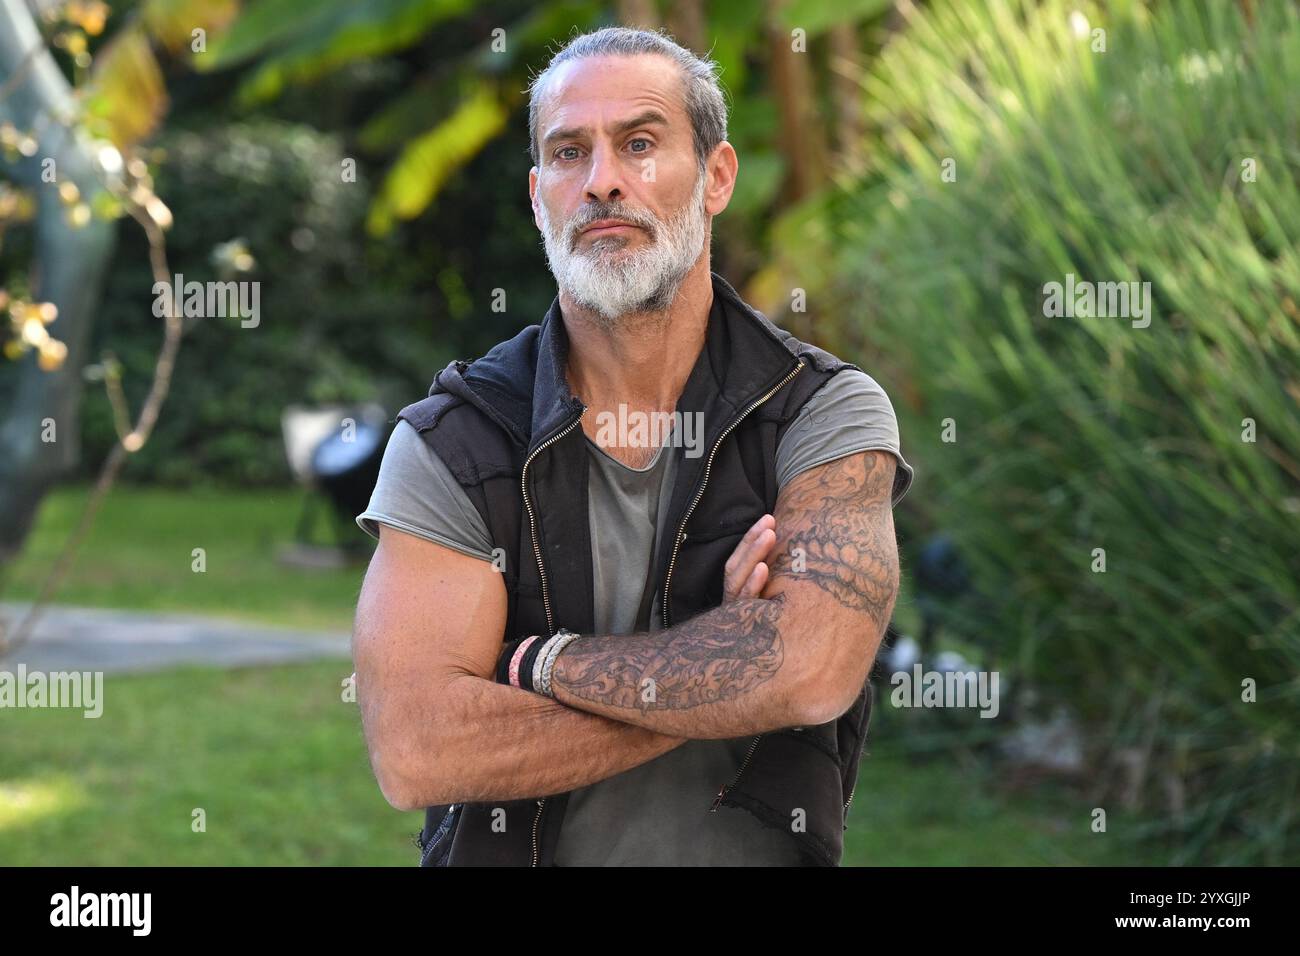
[(493, 742), (724, 673)]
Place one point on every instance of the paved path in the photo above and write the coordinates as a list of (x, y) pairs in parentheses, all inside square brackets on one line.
[(99, 639)]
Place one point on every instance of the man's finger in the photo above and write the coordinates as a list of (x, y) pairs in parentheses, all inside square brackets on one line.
[(737, 556), (749, 552)]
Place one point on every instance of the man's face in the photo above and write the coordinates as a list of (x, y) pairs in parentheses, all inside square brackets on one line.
[(618, 192)]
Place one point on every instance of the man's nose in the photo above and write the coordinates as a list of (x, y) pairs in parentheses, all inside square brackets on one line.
[(605, 177)]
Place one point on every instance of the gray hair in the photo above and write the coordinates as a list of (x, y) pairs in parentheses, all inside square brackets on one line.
[(704, 101)]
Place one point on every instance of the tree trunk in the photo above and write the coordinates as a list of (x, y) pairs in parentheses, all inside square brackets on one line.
[(638, 13), (801, 136), (686, 23), (68, 271), (846, 88)]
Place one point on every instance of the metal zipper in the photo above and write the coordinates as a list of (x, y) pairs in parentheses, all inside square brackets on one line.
[(541, 569), (532, 518), (708, 465), (717, 801), (871, 695), (438, 835), (536, 821)]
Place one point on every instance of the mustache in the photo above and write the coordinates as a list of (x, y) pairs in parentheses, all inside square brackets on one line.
[(598, 211)]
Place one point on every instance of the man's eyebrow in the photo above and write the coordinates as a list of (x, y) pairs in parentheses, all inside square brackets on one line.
[(646, 118)]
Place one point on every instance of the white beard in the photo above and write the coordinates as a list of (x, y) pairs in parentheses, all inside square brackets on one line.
[(612, 282)]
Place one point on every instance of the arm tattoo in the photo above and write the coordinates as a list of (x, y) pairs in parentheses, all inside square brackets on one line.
[(839, 515), (715, 656), (834, 521)]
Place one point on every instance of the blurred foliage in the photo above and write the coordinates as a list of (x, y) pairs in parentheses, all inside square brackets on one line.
[(343, 317), (425, 164), (126, 98), (1082, 433), (28, 330), (266, 185), (434, 133)]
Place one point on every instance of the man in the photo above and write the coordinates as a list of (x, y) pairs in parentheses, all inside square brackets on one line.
[(729, 583)]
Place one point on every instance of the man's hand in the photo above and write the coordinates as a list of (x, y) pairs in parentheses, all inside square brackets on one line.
[(746, 571)]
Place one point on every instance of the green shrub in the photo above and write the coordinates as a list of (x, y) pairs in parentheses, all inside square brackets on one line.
[(1173, 157)]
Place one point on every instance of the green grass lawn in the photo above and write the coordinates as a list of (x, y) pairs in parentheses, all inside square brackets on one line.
[(139, 555), (277, 761), (273, 756)]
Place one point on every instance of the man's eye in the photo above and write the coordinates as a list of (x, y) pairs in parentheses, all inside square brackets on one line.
[(641, 139), (566, 149)]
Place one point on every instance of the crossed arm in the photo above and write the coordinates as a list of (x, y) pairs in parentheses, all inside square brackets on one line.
[(797, 655), (439, 729)]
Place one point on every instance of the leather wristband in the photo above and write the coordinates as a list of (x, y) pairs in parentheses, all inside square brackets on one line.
[(514, 667)]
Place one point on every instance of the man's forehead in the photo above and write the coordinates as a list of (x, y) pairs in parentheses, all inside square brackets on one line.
[(614, 88)]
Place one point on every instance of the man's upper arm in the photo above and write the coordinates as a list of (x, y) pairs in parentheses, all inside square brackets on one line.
[(836, 563), (429, 570), (427, 615)]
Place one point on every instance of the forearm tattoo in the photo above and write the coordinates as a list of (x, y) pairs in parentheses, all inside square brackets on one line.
[(834, 529), (715, 656)]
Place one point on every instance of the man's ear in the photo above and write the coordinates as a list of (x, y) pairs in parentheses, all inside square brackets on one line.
[(723, 168), (532, 196)]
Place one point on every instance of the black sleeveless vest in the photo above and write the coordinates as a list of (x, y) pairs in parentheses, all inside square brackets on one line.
[(508, 428)]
